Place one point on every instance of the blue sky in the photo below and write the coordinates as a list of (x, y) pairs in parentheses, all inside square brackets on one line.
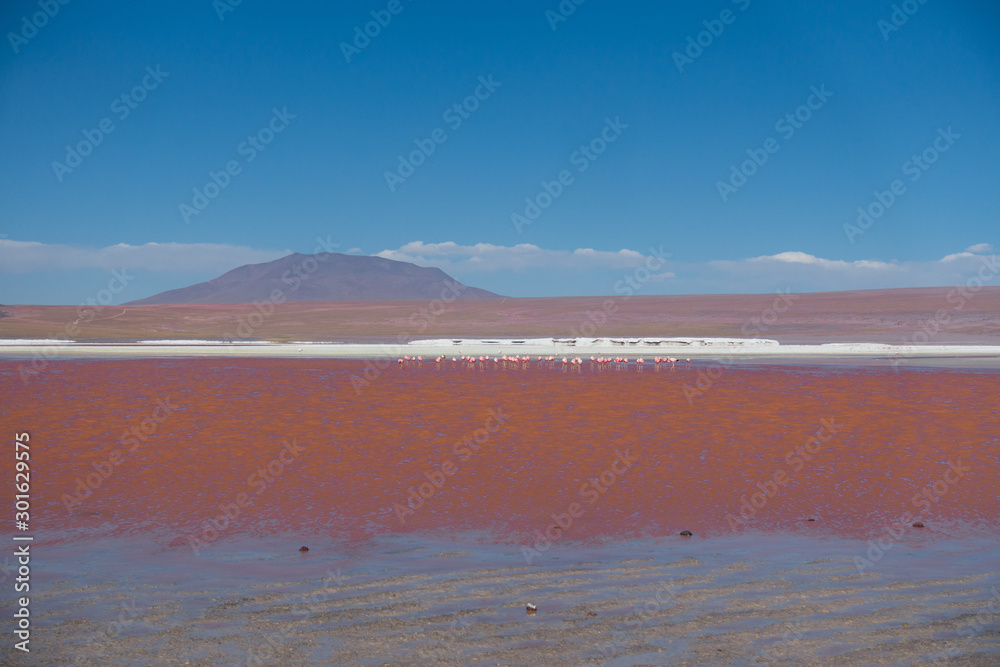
[(660, 133)]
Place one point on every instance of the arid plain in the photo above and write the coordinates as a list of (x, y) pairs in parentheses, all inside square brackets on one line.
[(942, 314)]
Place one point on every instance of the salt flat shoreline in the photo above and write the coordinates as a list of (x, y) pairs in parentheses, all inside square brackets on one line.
[(716, 349), (406, 599)]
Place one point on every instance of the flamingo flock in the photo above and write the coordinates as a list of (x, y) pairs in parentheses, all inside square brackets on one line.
[(519, 361)]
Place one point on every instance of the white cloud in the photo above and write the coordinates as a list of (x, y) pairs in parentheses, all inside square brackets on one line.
[(802, 271), (25, 256), (521, 257), (971, 251), (537, 271), (796, 257)]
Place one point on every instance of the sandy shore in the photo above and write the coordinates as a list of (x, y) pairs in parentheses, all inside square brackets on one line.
[(719, 349), (671, 601)]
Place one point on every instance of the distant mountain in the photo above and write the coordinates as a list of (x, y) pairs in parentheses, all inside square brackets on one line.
[(323, 277)]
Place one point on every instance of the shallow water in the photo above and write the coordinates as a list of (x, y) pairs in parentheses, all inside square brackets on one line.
[(135, 464), (696, 457), (401, 599)]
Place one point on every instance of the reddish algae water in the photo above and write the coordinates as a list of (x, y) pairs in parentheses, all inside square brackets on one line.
[(169, 447)]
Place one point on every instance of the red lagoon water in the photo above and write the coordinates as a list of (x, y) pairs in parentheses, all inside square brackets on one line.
[(165, 447)]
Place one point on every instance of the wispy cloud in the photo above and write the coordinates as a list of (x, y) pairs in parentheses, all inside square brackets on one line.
[(26, 256), (971, 251), (521, 257), (809, 272), (796, 257), (508, 269), (790, 269)]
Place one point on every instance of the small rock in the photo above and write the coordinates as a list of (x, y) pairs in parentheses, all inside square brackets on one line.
[(303, 549), (810, 519), (590, 613), (532, 609), (918, 525), (686, 533)]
